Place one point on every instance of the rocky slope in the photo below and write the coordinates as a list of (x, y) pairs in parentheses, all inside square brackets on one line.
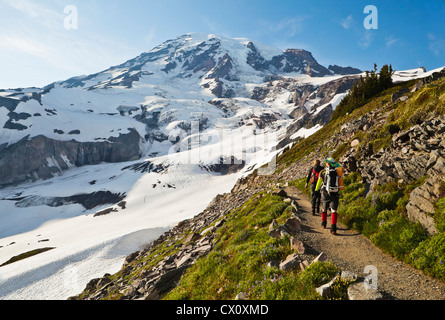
[(403, 156)]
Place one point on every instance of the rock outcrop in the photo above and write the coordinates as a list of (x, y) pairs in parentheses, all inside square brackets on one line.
[(412, 155), (43, 158)]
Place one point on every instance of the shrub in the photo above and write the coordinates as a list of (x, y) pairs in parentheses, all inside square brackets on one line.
[(430, 256), (398, 236)]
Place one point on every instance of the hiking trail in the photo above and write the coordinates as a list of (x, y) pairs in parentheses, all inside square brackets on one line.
[(353, 252)]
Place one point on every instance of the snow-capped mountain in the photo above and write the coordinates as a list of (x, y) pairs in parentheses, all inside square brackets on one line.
[(97, 166), (136, 108)]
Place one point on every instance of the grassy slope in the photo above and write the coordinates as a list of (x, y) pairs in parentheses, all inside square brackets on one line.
[(239, 260)]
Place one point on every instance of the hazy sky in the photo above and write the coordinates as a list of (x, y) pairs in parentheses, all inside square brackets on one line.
[(42, 41)]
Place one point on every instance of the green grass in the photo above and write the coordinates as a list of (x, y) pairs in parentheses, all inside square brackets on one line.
[(300, 184), (429, 256), (429, 100), (238, 262)]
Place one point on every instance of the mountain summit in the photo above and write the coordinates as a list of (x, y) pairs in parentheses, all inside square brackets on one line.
[(223, 64)]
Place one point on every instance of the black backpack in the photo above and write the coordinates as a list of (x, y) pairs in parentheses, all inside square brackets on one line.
[(331, 180)]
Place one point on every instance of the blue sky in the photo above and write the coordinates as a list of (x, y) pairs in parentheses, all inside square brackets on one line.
[(36, 48)]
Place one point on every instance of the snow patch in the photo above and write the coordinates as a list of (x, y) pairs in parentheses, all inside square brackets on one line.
[(304, 133)]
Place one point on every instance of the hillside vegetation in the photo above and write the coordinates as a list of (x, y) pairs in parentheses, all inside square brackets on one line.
[(381, 214), (240, 260)]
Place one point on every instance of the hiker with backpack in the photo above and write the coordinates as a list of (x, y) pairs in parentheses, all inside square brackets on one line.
[(330, 183), (313, 178)]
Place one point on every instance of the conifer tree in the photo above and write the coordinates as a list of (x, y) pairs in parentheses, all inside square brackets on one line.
[(364, 89)]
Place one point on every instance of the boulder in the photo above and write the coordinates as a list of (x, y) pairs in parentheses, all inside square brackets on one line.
[(297, 245), (355, 143), (273, 264), (281, 193), (192, 237), (320, 257), (275, 233), (169, 280), (295, 208), (293, 224), (241, 296), (396, 96), (304, 264), (421, 205), (273, 225), (208, 230), (292, 262)]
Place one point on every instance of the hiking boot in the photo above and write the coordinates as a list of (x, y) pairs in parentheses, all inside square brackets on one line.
[(323, 224), (334, 229)]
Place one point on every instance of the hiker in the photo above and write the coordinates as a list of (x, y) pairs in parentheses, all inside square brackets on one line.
[(313, 178), (330, 184)]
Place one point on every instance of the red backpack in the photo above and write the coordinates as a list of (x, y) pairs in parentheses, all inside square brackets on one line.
[(315, 175)]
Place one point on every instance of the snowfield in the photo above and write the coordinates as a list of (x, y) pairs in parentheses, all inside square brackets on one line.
[(86, 247)]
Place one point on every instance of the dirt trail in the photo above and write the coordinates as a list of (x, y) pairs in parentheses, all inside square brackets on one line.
[(352, 251)]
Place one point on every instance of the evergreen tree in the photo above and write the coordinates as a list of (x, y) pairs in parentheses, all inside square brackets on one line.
[(385, 79), (365, 88)]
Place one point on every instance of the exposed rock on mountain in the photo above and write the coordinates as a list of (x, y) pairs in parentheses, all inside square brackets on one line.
[(88, 201), (43, 158), (343, 70)]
